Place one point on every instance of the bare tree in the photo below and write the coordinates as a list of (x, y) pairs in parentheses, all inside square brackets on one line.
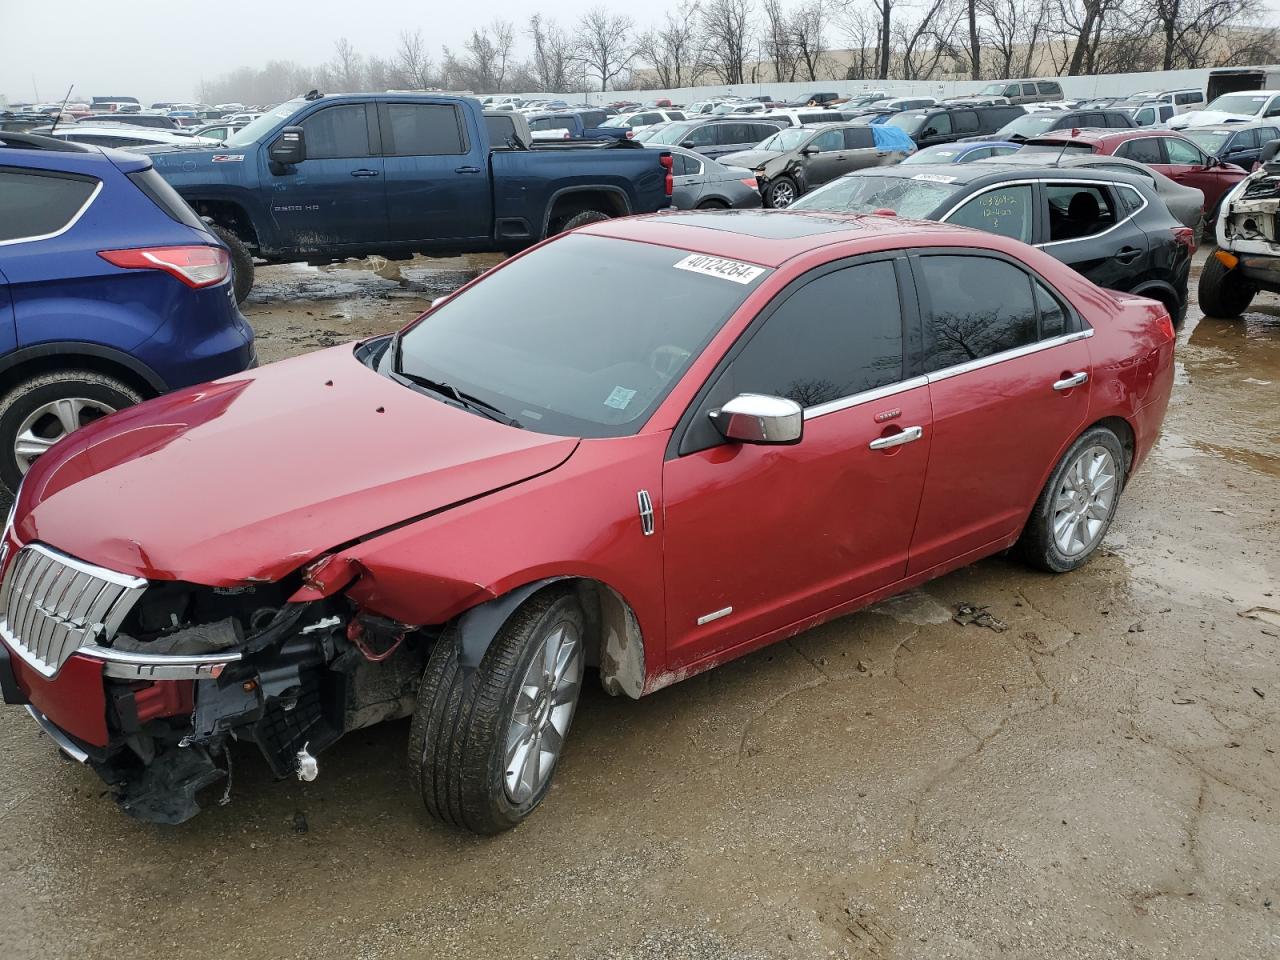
[(412, 59), (552, 54), (604, 44), (776, 42), (809, 36), (675, 49), (726, 26), (861, 28), (975, 41), (1014, 30), (925, 43), (503, 33), (348, 66)]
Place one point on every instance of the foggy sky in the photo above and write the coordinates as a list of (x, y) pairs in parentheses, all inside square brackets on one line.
[(157, 50)]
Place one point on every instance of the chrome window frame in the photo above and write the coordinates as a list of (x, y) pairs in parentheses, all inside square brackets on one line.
[(1115, 226), (999, 186), (75, 218)]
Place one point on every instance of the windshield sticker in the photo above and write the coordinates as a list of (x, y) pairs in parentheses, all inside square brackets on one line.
[(620, 397), (734, 270), (934, 178)]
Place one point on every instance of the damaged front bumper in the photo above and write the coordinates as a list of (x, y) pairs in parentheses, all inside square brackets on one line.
[(80, 652), (1247, 228)]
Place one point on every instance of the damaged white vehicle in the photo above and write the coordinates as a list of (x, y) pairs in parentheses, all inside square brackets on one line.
[(1248, 256)]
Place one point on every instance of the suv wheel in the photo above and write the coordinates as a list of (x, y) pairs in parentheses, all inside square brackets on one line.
[(781, 193), (1223, 292), (241, 261), (483, 748), (39, 412)]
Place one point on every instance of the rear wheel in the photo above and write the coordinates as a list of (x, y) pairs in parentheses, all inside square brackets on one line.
[(582, 219), (1077, 504), (241, 262), (781, 192), (39, 412), (1223, 292), (482, 750)]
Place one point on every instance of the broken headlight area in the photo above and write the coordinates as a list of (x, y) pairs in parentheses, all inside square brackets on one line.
[(212, 665)]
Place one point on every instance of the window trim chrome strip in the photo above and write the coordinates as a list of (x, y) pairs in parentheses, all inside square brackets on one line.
[(866, 396), (946, 373), (67, 226)]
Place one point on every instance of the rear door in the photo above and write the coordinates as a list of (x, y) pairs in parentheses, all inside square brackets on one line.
[(860, 144), (337, 193), (1091, 228), (437, 174), (999, 346)]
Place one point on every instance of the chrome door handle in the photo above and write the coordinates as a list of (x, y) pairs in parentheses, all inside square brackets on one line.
[(907, 435), (1072, 381), (467, 170)]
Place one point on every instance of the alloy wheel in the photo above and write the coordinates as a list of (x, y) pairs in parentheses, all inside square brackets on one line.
[(1084, 501), (782, 195), (52, 421), (543, 711)]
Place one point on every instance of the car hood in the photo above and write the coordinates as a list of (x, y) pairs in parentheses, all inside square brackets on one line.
[(750, 159), (247, 478), (1200, 118)]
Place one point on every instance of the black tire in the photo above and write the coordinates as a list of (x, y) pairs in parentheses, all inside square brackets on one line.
[(27, 397), (457, 743), (241, 261), (781, 193), (1037, 545), (1222, 291), (582, 219), (713, 204)]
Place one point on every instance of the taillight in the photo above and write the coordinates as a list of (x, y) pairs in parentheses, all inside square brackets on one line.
[(630, 134), (751, 182), (1165, 326), (1185, 236), (668, 164), (196, 266)]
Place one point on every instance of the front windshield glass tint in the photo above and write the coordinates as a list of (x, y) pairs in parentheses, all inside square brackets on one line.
[(671, 134), (1210, 141), (905, 196), (992, 90), (1031, 125), (253, 131), (908, 122), (787, 139), (534, 340), (1246, 103)]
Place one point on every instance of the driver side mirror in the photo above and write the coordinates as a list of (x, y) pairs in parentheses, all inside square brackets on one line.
[(687, 144), (288, 148), (759, 418), (810, 151)]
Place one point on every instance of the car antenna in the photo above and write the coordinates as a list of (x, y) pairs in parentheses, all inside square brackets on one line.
[(60, 109), (1057, 161)]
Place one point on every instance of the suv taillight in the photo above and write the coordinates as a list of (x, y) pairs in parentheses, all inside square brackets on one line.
[(668, 164), (196, 266)]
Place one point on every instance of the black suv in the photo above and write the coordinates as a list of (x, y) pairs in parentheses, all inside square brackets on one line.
[(1034, 124), (1111, 227), (944, 124)]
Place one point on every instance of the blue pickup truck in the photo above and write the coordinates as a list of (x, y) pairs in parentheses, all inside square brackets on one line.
[(323, 178)]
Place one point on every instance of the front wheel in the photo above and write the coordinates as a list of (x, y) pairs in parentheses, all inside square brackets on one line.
[(44, 409), (1223, 292), (1077, 504), (781, 193), (483, 748)]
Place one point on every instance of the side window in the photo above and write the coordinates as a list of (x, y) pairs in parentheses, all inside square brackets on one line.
[(1119, 120), (1011, 90), (703, 136), (674, 115), (1180, 151), (684, 166), (1130, 199), (858, 138), (1053, 319), (1004, 211), (433, 129), (1145, 117), (1244, 140), (978, 307), (828, 141), (595, 118), (1028, 89), (965, 121), (838, 335), (937, 125), (336, 132), (1047, 89), (1266, 135), (35, 206), (1181, 99), (1078, 210), (1142, 150)]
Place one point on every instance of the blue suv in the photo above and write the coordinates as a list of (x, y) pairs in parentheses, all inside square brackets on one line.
[(112, 290)]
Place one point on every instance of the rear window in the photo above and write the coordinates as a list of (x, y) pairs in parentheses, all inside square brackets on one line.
[(1066, 149), (905, 196), (166, 198), (35, 205)]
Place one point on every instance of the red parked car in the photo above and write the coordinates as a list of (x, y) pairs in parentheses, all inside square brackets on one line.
[(805, 414), (1170, 153)]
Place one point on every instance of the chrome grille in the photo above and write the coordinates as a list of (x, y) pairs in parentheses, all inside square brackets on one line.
[(52, 604)]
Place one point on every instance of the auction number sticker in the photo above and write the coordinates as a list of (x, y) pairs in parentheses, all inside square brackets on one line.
[(934, 178), (734, 270)]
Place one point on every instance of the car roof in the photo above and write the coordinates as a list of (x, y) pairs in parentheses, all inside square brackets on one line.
[(1102, 135), (769, 237), (993, 170), (1231, 127)]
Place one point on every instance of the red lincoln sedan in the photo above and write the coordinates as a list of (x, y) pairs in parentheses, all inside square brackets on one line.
[(798, 415)]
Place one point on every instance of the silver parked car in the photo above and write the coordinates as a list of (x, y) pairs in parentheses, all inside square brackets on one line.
[(700, 183)]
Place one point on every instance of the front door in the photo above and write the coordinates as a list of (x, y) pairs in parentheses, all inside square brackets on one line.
[(758, 537), (1008, 367), (830, 161), (334, 197)]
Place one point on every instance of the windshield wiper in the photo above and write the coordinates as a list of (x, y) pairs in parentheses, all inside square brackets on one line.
[(450, 392)]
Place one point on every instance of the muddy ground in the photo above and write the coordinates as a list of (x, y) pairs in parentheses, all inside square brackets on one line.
[(1098, 780)]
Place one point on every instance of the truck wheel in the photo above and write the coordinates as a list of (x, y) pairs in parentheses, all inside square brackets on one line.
[(1222, 291), (1076, 506), (781, 193), (582, 219), (241, 261), (39, 412), (482, 749)]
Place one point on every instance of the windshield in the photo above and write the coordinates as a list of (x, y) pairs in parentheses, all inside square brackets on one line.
[(992, 90), (1244, 103), (1027, 126), (253, 131), (1210, 141), (650, 133), (905, 196), (787, 139), (532, 341), (908, 122), (935, 155), (671, 134)]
